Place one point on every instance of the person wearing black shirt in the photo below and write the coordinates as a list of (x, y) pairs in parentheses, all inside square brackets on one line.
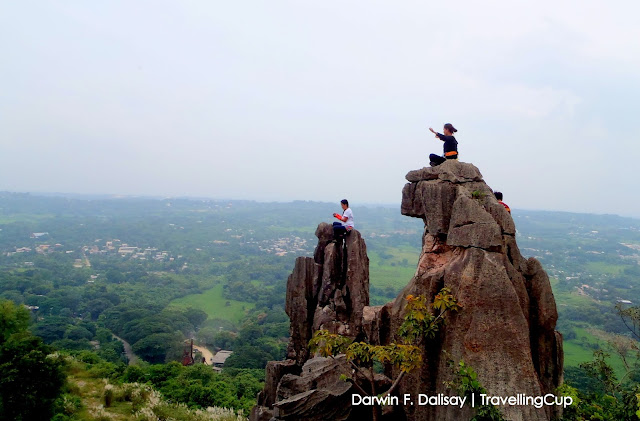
[(450, 145)]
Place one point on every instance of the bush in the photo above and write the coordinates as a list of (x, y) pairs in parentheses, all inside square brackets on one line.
[(134, 374), (108, 395), (106, 370)]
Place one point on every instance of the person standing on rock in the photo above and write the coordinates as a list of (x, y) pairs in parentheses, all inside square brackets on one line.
[(450, 145), (340, 229)]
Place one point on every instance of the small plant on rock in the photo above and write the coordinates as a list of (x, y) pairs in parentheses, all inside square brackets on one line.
[(477, 194)]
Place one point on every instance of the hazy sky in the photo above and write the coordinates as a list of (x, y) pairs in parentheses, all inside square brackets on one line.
[(284, 100)]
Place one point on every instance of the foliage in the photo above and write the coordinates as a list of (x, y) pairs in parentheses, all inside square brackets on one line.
[(418, 323), (170, 390), (223, 248), (478, 194), (466, 383), (31, 376), (155, 346), (13, 319), (601, 371), (615, 400)]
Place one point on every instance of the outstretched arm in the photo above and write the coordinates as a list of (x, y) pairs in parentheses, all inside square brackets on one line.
[(434, 132)]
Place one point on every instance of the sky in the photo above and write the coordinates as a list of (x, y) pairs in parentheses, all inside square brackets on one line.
[(301, 100)]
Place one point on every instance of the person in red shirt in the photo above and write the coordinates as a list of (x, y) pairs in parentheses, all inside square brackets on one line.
[(498, 196)]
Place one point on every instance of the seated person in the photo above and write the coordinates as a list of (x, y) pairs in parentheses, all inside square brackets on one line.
[(450, 145), (498, 196), (340, 229)]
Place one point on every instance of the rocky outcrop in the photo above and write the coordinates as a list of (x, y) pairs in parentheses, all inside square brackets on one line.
[(505, 329), (329, 291)]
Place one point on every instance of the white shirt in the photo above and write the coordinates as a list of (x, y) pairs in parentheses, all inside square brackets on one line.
[(349, 215)]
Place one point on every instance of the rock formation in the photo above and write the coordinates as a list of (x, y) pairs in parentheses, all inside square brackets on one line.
[(505, 329), (329, 291)]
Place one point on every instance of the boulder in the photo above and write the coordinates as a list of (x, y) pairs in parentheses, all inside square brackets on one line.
[(317, 393)]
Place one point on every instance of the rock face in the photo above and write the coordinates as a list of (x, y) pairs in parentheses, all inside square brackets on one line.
[(329, 291), (505, 329)]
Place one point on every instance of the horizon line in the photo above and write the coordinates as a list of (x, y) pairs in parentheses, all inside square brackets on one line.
[(116, 196)]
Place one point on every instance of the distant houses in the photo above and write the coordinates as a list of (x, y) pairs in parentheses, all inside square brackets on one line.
[(127, 250)]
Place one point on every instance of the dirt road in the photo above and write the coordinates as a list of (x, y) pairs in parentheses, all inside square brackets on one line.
[(205, 353), (133, 359)]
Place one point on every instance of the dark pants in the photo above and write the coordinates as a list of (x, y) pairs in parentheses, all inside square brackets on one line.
[(437, 159), (339, 231), (339, 235)]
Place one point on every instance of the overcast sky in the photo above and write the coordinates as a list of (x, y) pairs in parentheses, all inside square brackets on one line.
[(287, 100)]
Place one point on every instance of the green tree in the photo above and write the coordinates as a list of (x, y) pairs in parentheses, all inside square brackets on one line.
[(154, 348), (13, 319), (31, 379), (52, 328), (195, 316), (248, 356)]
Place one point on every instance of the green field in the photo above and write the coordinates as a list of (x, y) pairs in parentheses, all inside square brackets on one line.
[(577, 351), (215, 305), (395, 271), (25, 218), (569, 299), (604, 268)]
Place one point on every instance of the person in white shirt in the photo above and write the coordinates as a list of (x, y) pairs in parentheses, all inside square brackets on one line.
[(346, 220)]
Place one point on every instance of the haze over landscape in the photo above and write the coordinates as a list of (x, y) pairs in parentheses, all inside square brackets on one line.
[(170, 173), (285, 100)]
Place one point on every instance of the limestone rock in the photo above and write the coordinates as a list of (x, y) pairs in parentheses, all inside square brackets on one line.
[(275, 370), (329, 291), (317, 393), (300, 287), (505, 329), (453, 171), (472, 226)]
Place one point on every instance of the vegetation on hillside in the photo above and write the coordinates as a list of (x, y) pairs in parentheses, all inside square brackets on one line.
[(157, 272)]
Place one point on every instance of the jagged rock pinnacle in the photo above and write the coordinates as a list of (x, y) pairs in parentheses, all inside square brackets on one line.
[(505, 329)]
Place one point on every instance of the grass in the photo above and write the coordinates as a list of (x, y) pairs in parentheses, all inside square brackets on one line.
[(215, 305), (24, 217), (575, 352), (89, 398), (383, 274), (569, 298)]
